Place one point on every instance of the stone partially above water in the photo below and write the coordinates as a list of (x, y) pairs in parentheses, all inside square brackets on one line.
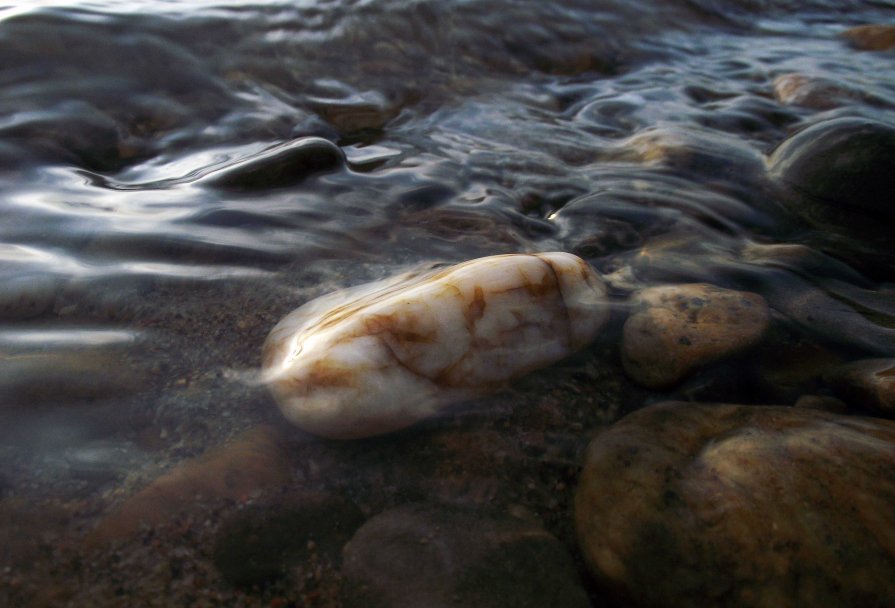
[(843, 162), (685, 505), (378, 358), (676, 329), (278, 167), (809, 91)]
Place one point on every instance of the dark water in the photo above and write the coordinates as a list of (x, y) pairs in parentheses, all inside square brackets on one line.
[(160, 210)]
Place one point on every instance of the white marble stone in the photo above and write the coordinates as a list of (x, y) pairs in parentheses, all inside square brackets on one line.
[(380, 357)]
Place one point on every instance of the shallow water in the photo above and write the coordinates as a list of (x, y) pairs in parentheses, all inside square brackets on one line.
[(149, 242)]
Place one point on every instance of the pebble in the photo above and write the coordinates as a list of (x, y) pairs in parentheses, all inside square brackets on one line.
[(868, 384), (259, 544), (278, 167), (381, 357), (814, 92), (234, 472), (438, 556), (699, 152), (707, 505), (841, 162), (675, 329), (871, 37)]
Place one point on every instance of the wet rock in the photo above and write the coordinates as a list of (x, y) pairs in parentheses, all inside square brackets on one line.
[(678, 328), (279, 167), (846, 162), (871, 37), (697, 152), (232, 472), (801, 260), (259, 544), (430, 556), (694, 505), (825, 317), (866, 384), (837, 176), (350, 110), (812, 92), (380, 357)]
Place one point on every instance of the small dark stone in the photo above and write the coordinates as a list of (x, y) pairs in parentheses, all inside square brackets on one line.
[(847, 161), (258, 545), (438, 556), (279, 167), (837, 177)]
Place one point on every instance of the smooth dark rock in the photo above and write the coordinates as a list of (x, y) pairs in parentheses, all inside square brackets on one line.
[(871, 37), (837, 177), (843, 162), (260, 543), (436, 556), (279, 167)]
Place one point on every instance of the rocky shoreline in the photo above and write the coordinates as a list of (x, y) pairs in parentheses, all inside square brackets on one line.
[(726, 440)]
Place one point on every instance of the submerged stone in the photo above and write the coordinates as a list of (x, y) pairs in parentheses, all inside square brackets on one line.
[(380, 357), (843, 162), (232, 472), (264, 541), (871, 37), (815, 92), (439, 556), (280, 166), (675, 329), (727, 505)]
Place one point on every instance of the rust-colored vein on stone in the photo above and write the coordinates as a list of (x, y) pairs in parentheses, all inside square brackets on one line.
[(377, 358)]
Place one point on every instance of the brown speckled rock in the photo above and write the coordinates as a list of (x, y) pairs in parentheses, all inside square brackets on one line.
[(727, 505), (866, 384), (871, 37), (677, 328)]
